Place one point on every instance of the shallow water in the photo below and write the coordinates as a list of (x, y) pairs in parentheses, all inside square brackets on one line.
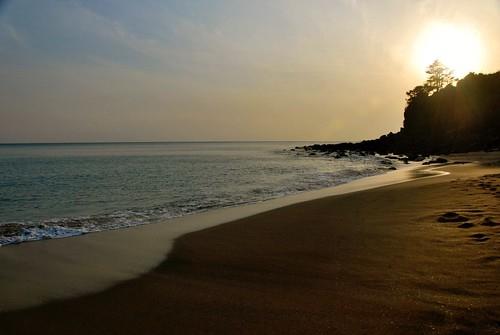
[(59, 190)]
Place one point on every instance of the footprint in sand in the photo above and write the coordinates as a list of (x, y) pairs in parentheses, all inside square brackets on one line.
[(489, 259), (452, 217), (489, 222), (479, 237), (473, 210)]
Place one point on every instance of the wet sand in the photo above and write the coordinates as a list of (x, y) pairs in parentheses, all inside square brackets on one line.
[(412, 258), (39, 272)]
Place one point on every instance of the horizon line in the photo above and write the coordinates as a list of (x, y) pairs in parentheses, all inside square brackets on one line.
[(168, 141)]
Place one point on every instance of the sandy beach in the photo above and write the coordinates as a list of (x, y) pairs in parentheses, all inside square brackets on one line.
[(421, 257), (249, 167)]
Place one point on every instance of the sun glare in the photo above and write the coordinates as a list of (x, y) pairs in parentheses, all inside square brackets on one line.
[(456, 47)]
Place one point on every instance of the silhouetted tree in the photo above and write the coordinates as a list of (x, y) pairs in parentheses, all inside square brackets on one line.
[(439, 76), (420, 91)]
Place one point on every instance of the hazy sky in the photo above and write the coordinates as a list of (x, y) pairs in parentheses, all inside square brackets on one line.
[(98, 70)]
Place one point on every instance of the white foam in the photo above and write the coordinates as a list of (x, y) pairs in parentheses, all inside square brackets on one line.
[(346, 170), (64, 268)]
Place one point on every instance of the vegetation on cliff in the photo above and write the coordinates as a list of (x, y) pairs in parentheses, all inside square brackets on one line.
[(442, 118)]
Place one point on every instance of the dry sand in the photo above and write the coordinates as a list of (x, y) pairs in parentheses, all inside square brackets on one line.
[(373, 262)]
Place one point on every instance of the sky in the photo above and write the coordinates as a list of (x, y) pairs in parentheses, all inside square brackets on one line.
[(181, 70)]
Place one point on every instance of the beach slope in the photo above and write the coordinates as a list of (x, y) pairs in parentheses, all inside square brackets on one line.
[(412, 258)]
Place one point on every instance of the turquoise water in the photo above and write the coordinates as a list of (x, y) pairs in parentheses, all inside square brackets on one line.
[(58, 190)]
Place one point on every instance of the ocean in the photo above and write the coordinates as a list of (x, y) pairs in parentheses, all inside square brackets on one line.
[(60, 190)]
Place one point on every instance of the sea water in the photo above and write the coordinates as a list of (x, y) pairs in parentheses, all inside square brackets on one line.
[(60, 190)]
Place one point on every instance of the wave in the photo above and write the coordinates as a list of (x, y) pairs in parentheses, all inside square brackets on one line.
[(350, 168)]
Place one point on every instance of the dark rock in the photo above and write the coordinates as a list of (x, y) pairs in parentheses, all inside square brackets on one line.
[(419, 158), (466, 225), (438, 160)]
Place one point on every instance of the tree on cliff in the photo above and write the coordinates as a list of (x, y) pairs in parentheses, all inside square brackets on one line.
[(460, 118), (439, 77), (420, 91)]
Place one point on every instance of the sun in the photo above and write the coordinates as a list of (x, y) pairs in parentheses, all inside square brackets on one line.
[(458, 48)]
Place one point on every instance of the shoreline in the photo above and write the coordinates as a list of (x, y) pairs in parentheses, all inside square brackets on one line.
[(75, 266), (377, 261), (25, 230)]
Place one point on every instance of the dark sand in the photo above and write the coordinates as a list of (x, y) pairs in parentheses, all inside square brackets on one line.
[(372, 262)]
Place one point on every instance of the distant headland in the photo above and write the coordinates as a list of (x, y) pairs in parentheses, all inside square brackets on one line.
[(440, 118)]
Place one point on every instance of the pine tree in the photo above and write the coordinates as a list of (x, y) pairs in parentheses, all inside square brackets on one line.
[(439, 76)]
